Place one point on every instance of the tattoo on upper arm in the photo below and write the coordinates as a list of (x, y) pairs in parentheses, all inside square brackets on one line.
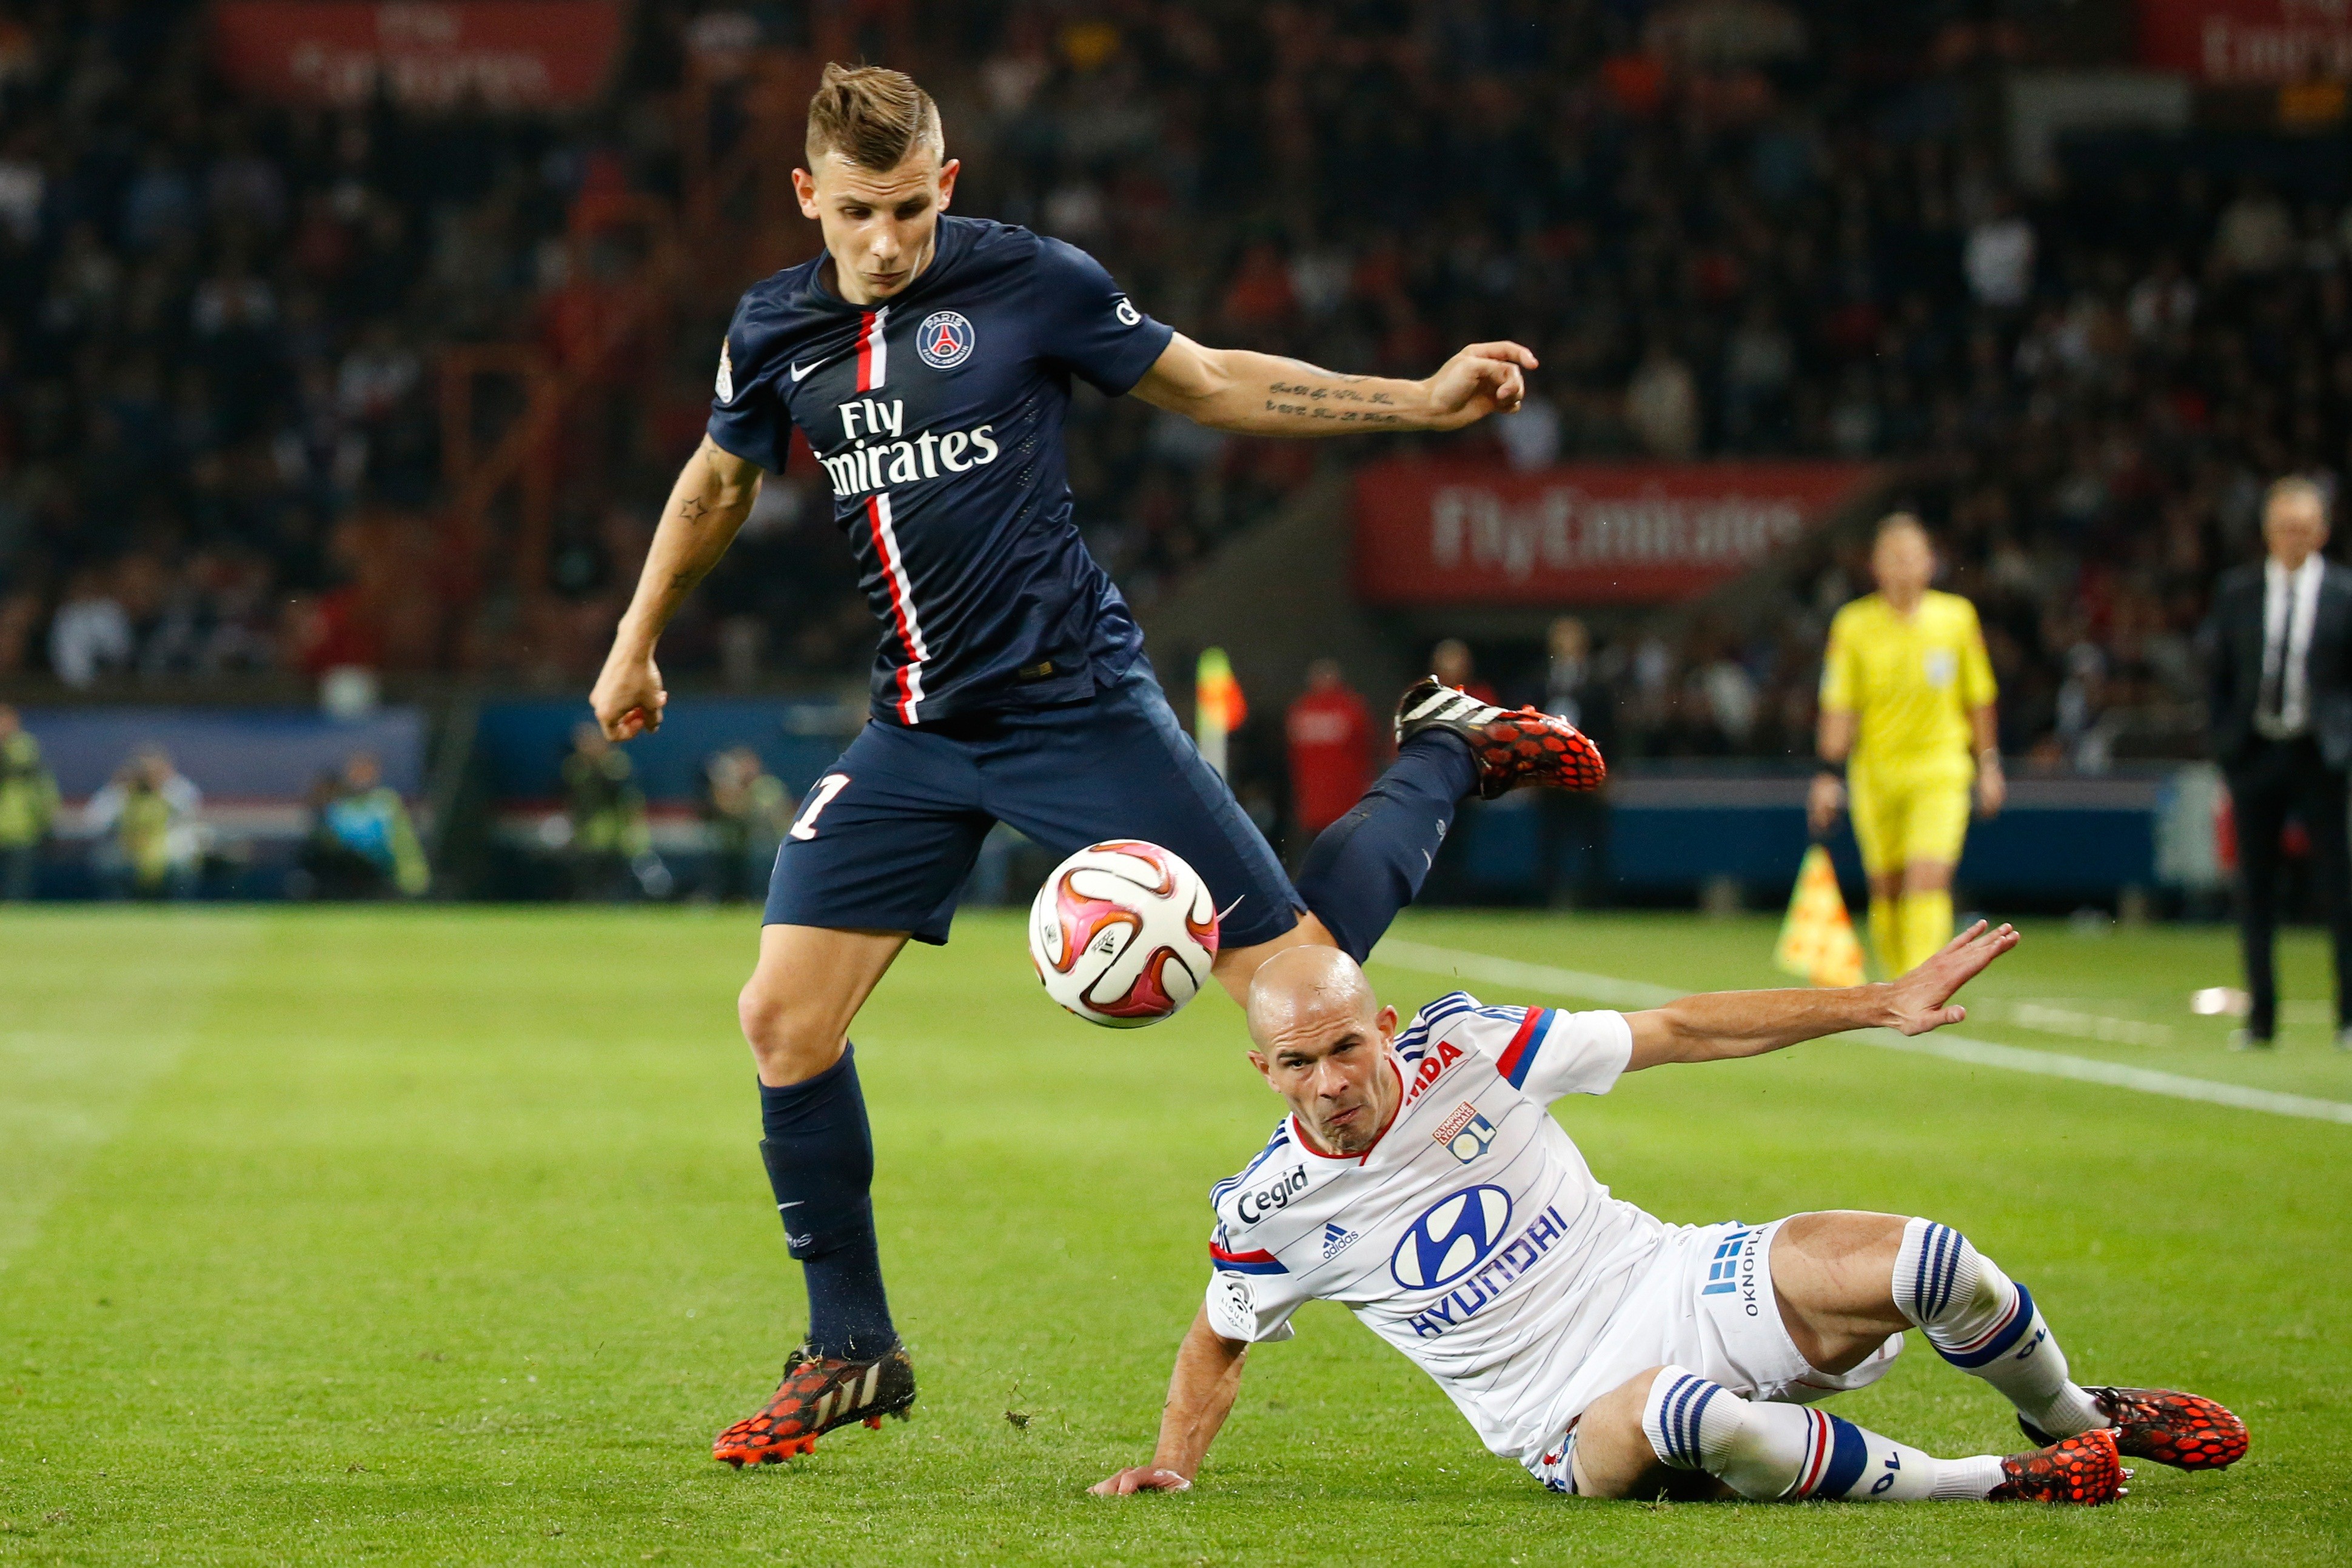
[(694, 509)]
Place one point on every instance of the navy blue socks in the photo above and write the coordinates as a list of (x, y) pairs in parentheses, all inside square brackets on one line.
[(820, 1157), (1366, 866)]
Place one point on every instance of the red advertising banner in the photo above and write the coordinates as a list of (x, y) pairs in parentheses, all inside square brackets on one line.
[(1429, 533), (2248, 43), (502, 54)]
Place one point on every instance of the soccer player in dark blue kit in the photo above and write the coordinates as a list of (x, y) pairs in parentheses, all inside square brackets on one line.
[(928, 360)]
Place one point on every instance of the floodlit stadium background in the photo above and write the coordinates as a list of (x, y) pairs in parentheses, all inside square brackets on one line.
[(348, 353), (346, 350)]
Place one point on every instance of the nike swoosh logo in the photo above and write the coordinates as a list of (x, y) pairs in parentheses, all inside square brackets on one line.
[(800, 371)]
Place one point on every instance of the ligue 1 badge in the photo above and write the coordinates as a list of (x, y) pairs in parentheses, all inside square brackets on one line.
[(944, 339), (725, 386)]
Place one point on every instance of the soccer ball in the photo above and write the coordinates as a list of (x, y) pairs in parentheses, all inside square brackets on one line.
[(1123, 933)]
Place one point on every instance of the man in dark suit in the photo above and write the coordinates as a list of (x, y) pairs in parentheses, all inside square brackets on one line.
[(2280, 649)]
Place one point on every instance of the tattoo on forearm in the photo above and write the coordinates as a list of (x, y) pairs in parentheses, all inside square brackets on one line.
[(1337, 416), (1331, 394), (693, 509)]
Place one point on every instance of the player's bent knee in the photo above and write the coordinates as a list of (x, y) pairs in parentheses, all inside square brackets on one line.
[(790, 1038)]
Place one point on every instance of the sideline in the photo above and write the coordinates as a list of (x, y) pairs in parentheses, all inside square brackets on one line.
[(1612, 992)]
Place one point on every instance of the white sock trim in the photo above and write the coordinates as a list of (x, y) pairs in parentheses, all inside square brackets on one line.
[(1971, 1479), (1674, 1416)]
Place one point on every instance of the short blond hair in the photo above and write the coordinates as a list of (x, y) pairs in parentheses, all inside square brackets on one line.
[(1902, 522), (2298, 487), (873, 116)]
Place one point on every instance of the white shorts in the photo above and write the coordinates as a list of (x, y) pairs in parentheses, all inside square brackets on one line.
[(1704, 1302)]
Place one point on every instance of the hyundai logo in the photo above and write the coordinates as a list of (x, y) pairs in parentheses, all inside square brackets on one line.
[(1451, 1238)]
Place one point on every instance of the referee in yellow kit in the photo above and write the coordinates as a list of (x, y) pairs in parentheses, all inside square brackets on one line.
[(1906, 722)]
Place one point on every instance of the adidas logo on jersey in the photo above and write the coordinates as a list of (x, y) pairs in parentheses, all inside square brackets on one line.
[(1336, 1240)]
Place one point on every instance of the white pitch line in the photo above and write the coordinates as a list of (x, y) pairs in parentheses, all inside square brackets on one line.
[(1614, 992)]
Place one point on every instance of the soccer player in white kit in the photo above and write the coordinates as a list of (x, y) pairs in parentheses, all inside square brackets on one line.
[(1422, 1181)]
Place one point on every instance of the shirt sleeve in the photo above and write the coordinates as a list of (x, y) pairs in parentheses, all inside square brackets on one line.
[(747, 416), (1251, 1294), (1841, 669), (1976, 688), (1552, 1053), (1086, 323)]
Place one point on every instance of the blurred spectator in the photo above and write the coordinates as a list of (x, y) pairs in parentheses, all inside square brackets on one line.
[(2001, 257), (612, 846), (1450, 661), (745, 811), (1661, 404), (28, 805), (2256, 234), (1531, 437), (362, 843), (1575, 867), (1573, 687), (150, 843), (91, 634), (1330, 732)]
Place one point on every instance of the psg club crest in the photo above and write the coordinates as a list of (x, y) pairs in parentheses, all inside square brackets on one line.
[(944, 339)]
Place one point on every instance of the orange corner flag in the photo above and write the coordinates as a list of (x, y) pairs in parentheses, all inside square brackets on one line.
[(1817, 940)]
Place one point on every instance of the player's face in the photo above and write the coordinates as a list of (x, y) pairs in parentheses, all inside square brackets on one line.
[(879, 226), (1903, 562), (1332, 1065), (2293, 526)]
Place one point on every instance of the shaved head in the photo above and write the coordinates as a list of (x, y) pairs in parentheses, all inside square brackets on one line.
[(1301, 985), (1323, 1041)]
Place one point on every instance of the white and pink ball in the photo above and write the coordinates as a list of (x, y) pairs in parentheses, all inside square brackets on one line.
[(1123, 933)]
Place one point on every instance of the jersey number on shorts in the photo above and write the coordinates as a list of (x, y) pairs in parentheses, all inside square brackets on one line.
[(819, 798)]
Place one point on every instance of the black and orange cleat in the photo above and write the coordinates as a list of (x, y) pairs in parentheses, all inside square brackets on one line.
[(2087, 1470), (1513, 746), (817, 1394), (2187, 1431)]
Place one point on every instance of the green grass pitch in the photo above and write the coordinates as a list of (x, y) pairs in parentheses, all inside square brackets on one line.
[(440, 1236)]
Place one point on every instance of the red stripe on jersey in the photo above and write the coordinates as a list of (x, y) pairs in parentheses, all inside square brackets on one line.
[(1222, 1255), (1509, 1063), (873, 354), (902, 608)]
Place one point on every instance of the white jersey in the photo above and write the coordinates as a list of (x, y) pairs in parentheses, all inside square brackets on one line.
[(1471, 1235)]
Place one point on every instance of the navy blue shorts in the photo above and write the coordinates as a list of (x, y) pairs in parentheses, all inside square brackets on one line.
[(886, 838)]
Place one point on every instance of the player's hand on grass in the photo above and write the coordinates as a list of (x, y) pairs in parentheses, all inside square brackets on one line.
[(1921, 998), (628, 698), (1140, 1479), (1824, 802), (1483, 379)]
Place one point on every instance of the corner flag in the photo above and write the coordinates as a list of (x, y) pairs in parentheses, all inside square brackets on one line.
[(1817, 940), (1217, 706)]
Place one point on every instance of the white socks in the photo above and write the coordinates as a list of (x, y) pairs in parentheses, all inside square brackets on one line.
[(1984, 1323), (1766, 1451)]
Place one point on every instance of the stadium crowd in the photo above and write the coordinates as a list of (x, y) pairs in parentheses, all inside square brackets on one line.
[(1727, 227)]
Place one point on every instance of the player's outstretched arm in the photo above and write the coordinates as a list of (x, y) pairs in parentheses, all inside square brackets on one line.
[(1719, 1024), (712, 497), (1253, 393), (1200, 1396)]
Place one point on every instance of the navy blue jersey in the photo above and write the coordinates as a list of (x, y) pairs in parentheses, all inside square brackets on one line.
[(938, 418)]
